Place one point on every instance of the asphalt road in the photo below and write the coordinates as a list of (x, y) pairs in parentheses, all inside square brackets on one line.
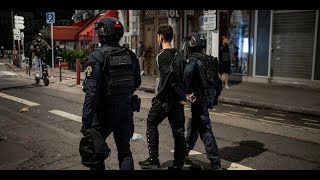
[(46, 136)]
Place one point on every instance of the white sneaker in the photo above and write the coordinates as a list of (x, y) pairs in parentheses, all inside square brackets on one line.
[(142, 73), (227, 87)]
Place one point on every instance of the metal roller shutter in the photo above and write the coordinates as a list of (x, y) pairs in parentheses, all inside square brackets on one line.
[(292, 44)]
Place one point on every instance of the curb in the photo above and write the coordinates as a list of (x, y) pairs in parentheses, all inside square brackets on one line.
[(292, 109), (147, 89)]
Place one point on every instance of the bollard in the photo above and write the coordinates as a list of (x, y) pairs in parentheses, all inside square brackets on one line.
[(60, 70), (78, 71)]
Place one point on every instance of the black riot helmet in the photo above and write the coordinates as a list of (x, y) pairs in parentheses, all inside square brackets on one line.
[(195, 42), (109, 29)]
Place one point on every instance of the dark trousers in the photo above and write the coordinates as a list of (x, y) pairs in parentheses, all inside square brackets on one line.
[(176, 119), (118, 119), (199, 123)]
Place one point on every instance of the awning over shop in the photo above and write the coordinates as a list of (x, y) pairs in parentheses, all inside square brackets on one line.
[(86, 33), (65, 33), (82, 22)]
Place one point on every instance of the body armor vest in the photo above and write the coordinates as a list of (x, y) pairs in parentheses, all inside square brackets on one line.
[(118, 71)]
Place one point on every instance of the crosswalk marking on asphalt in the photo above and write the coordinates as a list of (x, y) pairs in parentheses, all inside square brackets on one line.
[(2, 64), (23, 101), (66, 115), (233, 166), (9, 73)]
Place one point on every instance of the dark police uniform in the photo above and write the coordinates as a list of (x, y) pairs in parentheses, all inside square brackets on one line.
[(199, 123), (109, 87)]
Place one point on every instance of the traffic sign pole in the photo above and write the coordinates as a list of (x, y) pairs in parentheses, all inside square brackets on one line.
[(50, 18), (52, 48)]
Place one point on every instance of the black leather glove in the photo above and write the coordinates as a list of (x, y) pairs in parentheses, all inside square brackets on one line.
[(84, 130)]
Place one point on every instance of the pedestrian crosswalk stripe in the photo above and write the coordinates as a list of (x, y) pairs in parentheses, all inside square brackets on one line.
[(66, 115), (19, 100)]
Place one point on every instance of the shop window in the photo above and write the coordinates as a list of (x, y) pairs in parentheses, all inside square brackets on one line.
[(235, 24)]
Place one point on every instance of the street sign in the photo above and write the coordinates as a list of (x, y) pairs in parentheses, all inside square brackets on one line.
[(18, 18), (17, 37), (19, 26), (50, 17), (19, 22), (16, 31), (210, 21)]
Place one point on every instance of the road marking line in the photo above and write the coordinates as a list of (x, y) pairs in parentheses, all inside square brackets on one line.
[(235, 166), (249, 109), (274, 122), (311, 120), (312, 124), (273, 118), (214, 113), (186, 109), (23, 101), (237, 113), (289, 125), (277, 114), (66, 115), (214, 109), (1, 64), (9, 73), (228, 105), (192, 152)]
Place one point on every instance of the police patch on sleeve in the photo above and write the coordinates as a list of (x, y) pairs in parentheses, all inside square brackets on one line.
[(89, 71)]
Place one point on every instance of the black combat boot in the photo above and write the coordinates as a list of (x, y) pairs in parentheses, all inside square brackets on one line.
[(150, 163), (98, 167), (216, 165)]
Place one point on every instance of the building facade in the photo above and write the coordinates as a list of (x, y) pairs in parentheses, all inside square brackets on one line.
[(267, 46)]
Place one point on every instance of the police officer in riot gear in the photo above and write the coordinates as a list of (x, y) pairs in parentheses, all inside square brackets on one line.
[(199, 123), (112, 76)]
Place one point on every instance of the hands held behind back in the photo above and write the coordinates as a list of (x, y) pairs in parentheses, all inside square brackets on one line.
[(190, 97)]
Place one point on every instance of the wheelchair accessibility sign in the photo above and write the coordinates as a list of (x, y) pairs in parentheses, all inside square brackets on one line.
[(50, 17)]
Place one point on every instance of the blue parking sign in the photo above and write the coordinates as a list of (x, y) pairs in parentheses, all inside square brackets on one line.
[(50, 17)]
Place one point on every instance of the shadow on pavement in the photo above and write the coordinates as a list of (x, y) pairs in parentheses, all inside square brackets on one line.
[(245, 150)]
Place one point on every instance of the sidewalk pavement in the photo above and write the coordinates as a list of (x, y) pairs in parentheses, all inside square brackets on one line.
[(282, 97)]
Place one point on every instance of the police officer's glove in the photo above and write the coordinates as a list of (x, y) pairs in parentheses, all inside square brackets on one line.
[(84, 130), (83, 85)]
